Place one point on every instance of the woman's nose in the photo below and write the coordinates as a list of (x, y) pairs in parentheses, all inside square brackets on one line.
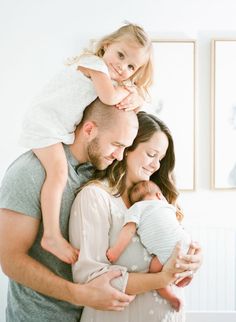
[(155, 164)]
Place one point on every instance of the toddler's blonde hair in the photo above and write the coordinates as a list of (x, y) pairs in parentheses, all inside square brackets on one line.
[(143, 77)]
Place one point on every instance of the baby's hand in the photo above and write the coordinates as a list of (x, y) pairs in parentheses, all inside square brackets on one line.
[(131, 102), (111, 256)]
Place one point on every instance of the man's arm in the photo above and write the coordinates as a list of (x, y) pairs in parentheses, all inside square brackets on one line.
[(17, 235)]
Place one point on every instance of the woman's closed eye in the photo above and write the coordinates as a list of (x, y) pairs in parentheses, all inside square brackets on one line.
[(151, 155)]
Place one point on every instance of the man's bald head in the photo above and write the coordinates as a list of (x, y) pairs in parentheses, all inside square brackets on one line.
[(107, 117), (103, 134)]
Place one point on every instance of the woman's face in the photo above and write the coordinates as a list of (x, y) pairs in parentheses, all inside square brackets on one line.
[(146, 158)]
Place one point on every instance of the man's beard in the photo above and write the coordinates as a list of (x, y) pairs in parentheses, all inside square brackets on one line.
[(95, 156)]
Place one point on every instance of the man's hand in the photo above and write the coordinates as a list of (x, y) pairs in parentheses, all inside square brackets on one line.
[(100, 295)]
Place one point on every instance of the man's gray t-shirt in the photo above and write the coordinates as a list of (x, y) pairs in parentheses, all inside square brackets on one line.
[(20, 192)]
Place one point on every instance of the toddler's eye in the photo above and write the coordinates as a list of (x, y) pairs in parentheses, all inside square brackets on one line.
[(121, 55)]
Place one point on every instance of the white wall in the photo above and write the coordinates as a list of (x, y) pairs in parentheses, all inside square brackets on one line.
[(36, 36)]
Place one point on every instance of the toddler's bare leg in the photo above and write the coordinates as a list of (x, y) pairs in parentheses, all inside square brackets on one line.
[(55, 164)]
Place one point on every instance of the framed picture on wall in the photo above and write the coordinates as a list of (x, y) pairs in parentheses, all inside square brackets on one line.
[(223, 85), (173, 101)]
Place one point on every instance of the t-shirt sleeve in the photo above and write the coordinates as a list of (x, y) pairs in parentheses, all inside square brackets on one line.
[(133, 214), (160, 231), (89, 231), (20, 188), (93, 62)]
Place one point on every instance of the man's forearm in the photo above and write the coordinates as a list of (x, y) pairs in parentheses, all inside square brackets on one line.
[(30, 273), (98, 294)]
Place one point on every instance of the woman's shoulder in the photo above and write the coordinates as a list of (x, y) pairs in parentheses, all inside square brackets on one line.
[(96, 187)]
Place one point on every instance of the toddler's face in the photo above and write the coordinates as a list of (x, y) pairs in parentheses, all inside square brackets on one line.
[(123, 59)]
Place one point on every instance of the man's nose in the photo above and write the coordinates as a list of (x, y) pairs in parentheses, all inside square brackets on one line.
[(118, 153)]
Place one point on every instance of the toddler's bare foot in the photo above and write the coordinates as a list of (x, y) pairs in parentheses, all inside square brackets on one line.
[(176, 303), (61, 248), (111, 255)]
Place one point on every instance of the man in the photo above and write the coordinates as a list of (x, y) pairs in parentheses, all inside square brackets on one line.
[(40, 286)]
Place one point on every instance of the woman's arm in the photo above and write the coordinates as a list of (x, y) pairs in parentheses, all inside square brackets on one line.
[(173, 269), (89, 231)]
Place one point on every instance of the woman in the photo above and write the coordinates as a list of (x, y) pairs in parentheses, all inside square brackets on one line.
[(97, 217)]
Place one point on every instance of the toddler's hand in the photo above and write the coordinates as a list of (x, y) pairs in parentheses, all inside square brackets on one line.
[(133, 101)]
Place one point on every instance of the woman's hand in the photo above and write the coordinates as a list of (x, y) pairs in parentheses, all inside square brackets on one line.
[(193, 259), (174, 266), (180, 267), (133, 101)]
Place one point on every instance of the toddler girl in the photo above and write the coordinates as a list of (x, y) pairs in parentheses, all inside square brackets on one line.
[(119, 72)]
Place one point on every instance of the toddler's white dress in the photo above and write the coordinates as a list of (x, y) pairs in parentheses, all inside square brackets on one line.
[(59, 107)]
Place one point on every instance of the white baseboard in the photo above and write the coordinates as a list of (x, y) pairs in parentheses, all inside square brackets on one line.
[(209, 316)]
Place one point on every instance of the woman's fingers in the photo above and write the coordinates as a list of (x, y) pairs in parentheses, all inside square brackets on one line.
[(182, 275)]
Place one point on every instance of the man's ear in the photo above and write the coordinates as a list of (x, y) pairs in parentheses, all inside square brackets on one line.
[(90, 129), (159, 195)]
